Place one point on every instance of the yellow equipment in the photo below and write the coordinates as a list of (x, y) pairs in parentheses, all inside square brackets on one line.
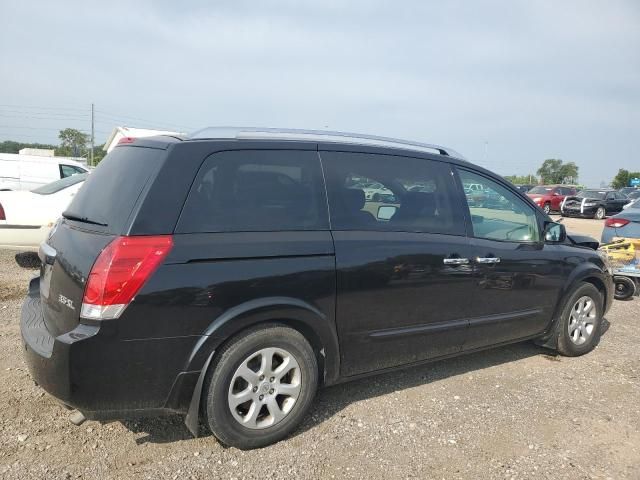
[(624, 256)]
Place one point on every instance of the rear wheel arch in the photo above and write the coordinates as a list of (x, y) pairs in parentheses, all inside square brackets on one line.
[(305, 319), (219, 407), (319, 329), (301, 327)]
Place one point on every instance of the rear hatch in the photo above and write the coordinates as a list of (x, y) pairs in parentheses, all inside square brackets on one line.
[(100, 211)]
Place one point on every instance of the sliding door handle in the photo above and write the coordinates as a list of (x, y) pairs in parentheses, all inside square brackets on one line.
[(488, 259), (455, 261)]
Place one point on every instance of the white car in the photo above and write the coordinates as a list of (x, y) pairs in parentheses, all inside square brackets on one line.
[(27, 217), (25, 172), (376, 192)]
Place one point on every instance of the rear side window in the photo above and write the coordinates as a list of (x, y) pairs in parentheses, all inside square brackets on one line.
[(112, 189), (391, 193), (256, 191)]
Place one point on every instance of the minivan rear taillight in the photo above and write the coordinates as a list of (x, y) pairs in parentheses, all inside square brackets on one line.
[(616, 222), (119, 272), (2, 214)]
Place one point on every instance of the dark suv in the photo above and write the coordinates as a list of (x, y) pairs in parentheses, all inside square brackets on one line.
[(228, 275)]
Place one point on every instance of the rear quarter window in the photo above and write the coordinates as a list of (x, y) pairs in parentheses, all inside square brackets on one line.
[(111, 191), (259, 191)]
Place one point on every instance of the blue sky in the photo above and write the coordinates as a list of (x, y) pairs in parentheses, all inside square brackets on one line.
[(506, 83)]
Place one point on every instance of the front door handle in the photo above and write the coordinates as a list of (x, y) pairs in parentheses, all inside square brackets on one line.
[(488, 259), (456, 261)]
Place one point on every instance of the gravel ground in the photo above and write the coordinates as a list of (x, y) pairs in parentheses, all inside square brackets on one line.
[(514, 412)]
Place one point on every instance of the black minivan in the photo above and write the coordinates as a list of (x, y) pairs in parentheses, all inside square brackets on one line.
[(229, 274)]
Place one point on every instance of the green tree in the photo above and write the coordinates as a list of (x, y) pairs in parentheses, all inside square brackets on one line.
[(522, 179), (10, 146), (73, 143), (553, 170), (98, 154), (623, 177)]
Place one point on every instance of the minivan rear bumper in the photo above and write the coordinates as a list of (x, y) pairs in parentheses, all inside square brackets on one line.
[(103, 377)]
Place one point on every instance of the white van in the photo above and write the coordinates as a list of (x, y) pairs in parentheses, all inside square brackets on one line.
[(26, 172)]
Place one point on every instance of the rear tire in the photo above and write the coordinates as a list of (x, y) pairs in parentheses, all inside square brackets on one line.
[(580, 323), (250, 367)]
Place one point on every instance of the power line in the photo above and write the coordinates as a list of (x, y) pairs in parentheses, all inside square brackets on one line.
[(41, 107), (34, 128), (31, 117), (123, 117), (23, 135)]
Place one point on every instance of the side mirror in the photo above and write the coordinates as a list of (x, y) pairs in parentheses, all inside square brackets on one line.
[(555, 233), (386, 212)]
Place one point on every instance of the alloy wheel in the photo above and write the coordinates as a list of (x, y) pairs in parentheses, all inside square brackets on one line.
[(582, 320), (600, 213), (264, 388)]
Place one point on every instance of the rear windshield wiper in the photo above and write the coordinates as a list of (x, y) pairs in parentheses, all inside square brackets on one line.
[(70, 216)]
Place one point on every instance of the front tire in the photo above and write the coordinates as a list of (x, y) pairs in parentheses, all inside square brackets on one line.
[(547, 208), (581, 321), (260, 387), (600, 213)]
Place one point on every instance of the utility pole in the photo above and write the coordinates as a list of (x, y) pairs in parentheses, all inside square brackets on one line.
[(92, 133)]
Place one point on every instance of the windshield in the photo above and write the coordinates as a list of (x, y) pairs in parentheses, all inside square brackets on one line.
[(58, 185), (592, 194), (541, 190)]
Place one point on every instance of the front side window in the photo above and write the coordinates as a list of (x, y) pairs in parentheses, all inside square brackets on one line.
[(391, 193), (497, 213), (259, 191)]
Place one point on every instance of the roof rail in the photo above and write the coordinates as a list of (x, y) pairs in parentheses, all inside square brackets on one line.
[(257, 133)]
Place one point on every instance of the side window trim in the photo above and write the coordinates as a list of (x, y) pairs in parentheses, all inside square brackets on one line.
[(467, 211)]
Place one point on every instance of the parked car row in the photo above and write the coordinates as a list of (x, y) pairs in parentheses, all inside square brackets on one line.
[(594, 204), (550, 197)]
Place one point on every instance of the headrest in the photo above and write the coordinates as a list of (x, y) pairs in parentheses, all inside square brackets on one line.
[(418, 202), (353, 198)]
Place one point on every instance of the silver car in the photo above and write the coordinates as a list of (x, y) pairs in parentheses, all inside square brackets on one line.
[(624, 224)]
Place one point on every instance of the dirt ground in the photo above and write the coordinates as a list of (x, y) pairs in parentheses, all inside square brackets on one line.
[(509, 413)]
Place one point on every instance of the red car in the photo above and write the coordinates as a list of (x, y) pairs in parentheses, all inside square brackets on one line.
[(549, 197)]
